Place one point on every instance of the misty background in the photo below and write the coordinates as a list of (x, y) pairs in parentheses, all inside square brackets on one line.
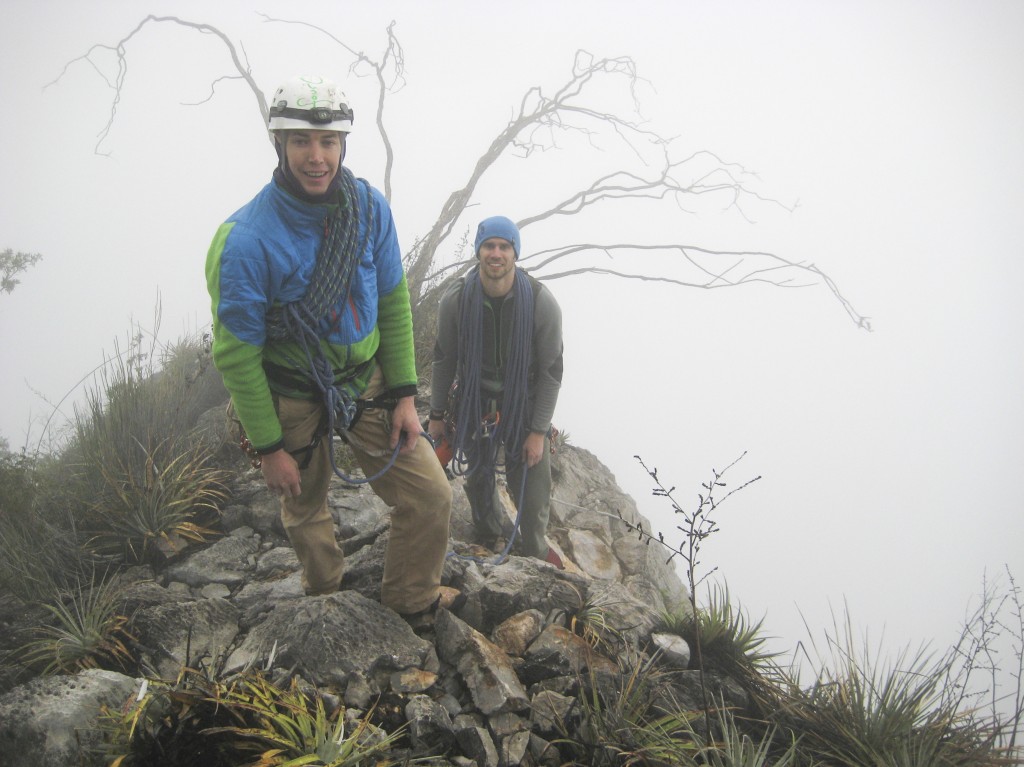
[(890, 135)]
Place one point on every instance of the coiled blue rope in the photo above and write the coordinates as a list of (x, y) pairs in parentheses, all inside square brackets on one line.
[(511, 426)]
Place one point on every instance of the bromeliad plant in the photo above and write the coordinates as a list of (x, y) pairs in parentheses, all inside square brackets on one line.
[(149, 503), (135, 474), (729, 640), (626, 719), (88, 630), (245, 720), (862, 710), (296, 729)]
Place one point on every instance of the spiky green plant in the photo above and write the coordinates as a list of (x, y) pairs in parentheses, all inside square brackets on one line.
[(296, 728), (627, 719), (588, 620), (894, 713), (244, 720), (133, 472), (729, 639), (152, 505), (731, 746), (38, 547), (88, 631), (168, 722)]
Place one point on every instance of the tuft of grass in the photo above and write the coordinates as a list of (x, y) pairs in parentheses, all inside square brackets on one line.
[(39, 548), (861, 710), (134, 474), (731, 746), (624, 720)]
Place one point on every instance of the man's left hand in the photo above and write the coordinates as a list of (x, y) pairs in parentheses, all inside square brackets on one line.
[(405, 424), (533, 449)]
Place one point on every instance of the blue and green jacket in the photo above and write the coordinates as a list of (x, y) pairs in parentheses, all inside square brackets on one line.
[(263, 256)]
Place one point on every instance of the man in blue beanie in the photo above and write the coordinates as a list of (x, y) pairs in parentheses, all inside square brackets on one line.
[(499, 340)]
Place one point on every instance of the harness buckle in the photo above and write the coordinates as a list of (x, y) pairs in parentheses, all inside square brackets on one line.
[(489, 424)]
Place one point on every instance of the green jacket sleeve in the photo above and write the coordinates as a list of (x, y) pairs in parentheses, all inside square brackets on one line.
[(396, 354)]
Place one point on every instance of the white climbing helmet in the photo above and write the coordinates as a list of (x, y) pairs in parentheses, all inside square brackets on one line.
[(310, 103)]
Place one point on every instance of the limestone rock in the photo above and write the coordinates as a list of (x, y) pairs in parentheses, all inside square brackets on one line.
[(52, 721), (484, 667)]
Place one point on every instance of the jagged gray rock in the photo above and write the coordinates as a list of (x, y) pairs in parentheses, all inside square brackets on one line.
[(491, 685), (328, 638), (483, 666), (430, 727), (180, 634)]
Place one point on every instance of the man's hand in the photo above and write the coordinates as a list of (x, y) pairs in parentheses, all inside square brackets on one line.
[(435, 428), (533, 449), (404, 419), (281, 473)]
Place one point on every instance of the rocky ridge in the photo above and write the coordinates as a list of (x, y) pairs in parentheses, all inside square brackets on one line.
[(487, 686)]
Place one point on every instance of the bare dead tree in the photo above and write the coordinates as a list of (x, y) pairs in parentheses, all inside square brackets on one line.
[(539, 123)]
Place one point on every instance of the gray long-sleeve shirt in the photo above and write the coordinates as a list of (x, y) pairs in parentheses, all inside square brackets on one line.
[(545, 376)]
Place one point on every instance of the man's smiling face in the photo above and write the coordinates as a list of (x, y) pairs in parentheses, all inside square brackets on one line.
[(314, 157)]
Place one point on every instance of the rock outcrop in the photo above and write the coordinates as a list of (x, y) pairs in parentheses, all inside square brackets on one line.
[(487, 686)]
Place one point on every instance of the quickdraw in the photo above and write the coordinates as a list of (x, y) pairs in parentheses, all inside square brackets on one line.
[(255, 460)]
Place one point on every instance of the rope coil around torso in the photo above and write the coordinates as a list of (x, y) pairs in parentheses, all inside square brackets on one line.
[(313, 317), (510, 427)]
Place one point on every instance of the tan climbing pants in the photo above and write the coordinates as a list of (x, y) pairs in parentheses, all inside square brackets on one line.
[(415, 488)]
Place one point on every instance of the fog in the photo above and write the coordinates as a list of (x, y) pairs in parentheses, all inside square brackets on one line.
[(889, 461)]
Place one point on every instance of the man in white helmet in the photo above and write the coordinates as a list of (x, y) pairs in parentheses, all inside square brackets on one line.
[(312, 332)]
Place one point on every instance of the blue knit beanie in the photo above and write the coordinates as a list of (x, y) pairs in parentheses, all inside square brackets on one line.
[(496, 226)]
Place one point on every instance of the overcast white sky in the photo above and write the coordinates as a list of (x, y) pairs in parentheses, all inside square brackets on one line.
[(891, 462)]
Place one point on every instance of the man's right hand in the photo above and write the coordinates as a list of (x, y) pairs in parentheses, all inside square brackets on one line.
[(281, 473)]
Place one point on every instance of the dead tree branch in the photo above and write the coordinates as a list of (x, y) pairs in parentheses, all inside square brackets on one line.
[(539, 124), (119, 49)]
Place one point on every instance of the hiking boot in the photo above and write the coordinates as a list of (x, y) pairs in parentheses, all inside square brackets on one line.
[(447, 597)]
